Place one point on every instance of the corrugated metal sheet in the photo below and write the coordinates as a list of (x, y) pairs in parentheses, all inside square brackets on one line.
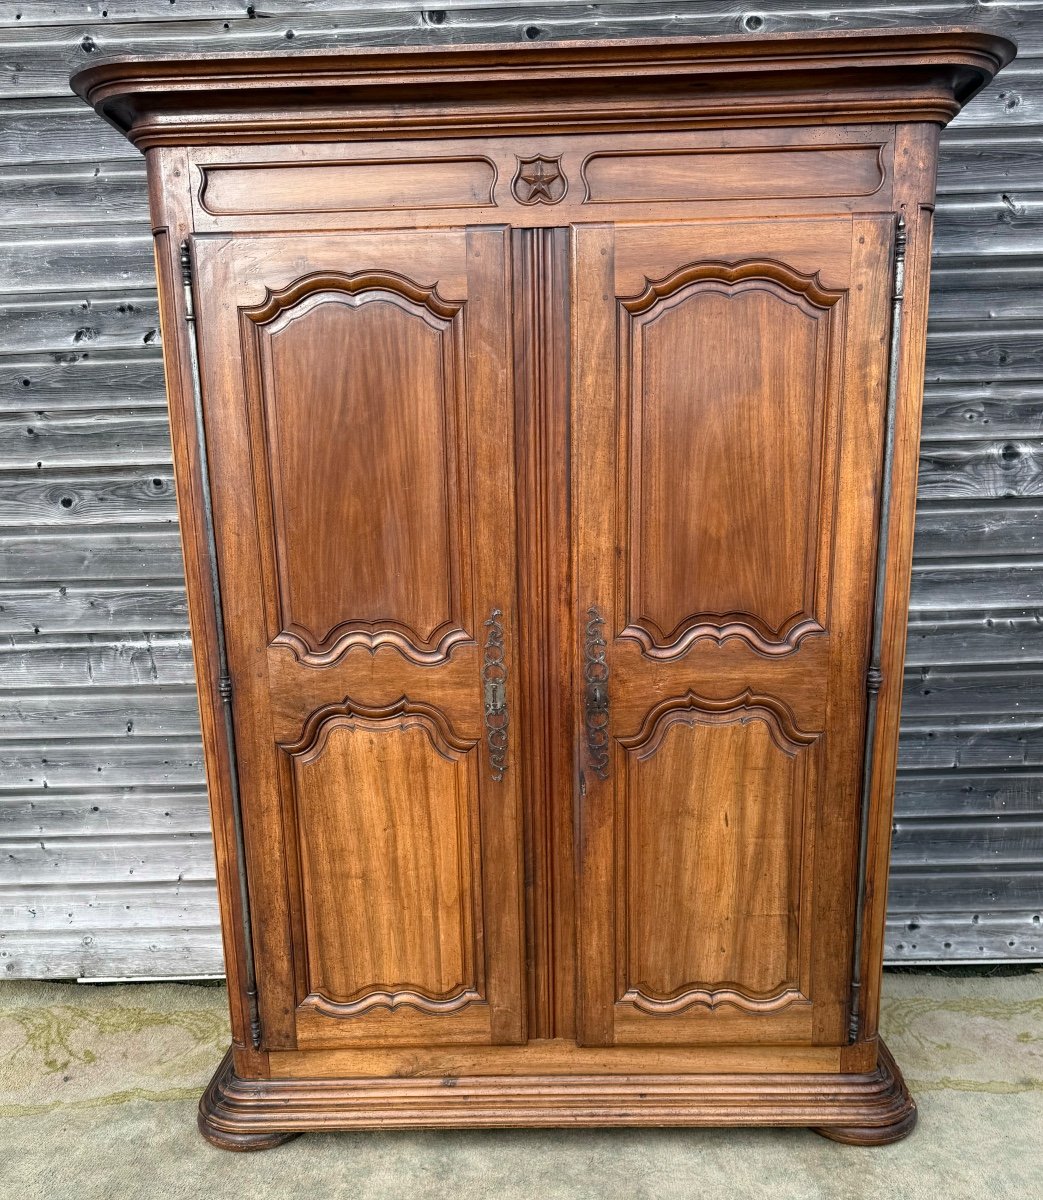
[(106, 860)]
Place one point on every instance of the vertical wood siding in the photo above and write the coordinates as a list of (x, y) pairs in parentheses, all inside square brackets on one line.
[(105, 858)]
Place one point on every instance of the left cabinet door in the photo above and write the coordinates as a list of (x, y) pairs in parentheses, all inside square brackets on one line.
[(357, 390)]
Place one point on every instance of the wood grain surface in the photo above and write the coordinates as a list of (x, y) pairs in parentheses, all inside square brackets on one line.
[(360, 408), (80, 344)]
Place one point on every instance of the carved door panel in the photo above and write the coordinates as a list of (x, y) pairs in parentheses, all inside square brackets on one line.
[(359, 417), (729, 386)]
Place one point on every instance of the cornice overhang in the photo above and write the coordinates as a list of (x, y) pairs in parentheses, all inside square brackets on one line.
[(854, 76)]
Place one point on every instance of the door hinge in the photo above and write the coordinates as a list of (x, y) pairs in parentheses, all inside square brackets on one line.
[(186, 277), (224, 679), (854, 1023), (874, 675)]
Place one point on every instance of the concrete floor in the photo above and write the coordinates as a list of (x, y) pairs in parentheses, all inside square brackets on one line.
[(98, 1088)]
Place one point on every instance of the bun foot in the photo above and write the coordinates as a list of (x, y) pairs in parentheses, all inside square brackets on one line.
[(871, 1135), (889, 1117), (226, 1125), (241, 1141)]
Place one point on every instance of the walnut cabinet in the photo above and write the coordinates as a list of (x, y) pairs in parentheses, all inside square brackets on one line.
[(545, 423)]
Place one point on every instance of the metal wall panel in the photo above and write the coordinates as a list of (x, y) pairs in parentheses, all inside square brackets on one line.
[(105, 860)]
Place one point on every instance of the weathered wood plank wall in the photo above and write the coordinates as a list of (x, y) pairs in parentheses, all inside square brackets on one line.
[(105, 861)]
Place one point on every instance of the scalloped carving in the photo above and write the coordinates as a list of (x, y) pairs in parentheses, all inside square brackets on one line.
[(781, 634), (387, 832), (764, 269), (719, 627), (426, 590), (282, 299), (371, 636), (389, 999), (693, 709), (657, 975), (403, 713), (692, 997)]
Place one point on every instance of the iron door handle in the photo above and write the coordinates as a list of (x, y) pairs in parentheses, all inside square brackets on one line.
[(494, 695), (595, 676)]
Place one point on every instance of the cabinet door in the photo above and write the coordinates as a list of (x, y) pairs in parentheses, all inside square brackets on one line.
[(728, 410), (359, 416)]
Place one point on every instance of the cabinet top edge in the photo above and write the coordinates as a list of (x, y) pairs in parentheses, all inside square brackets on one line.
[(923, 73)]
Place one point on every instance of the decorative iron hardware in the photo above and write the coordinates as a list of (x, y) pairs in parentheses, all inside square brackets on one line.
[(224, 685), (595, 674), (494, 687), (874, 673)]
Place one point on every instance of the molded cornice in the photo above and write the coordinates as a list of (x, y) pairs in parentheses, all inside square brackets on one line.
[(855, 76)]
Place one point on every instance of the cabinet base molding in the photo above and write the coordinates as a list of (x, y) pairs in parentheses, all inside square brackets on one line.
[(871, 1135), (254, 1114), (240, 1142)]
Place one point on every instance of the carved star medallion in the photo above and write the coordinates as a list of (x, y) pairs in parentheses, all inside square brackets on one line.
[(539, 180)]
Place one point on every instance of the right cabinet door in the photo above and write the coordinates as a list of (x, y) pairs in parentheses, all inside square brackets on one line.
[(729, 387)]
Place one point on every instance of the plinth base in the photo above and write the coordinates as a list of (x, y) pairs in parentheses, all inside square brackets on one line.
[(254, 1114)]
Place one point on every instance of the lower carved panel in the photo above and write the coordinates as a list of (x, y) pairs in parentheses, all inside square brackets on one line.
[(387, 830), (873, 1108), (711, 856)]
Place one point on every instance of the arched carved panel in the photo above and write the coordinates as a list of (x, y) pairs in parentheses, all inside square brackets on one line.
[(715, 848), (386, 825), (692, 709), (729, 379), (360, 435)]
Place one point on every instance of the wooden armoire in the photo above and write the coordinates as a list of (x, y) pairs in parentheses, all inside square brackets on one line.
[(545, 419)]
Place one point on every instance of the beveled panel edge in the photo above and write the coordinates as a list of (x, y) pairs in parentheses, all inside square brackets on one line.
[(317, 201), (913, 73), (399, 716), (378, 997), (272, 314), (733, 710), (427, 717), (278, 301), (372, 636), (712, 270), (726, 189), (692, 709), (747, 627), (712, 998), (750, 628)]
